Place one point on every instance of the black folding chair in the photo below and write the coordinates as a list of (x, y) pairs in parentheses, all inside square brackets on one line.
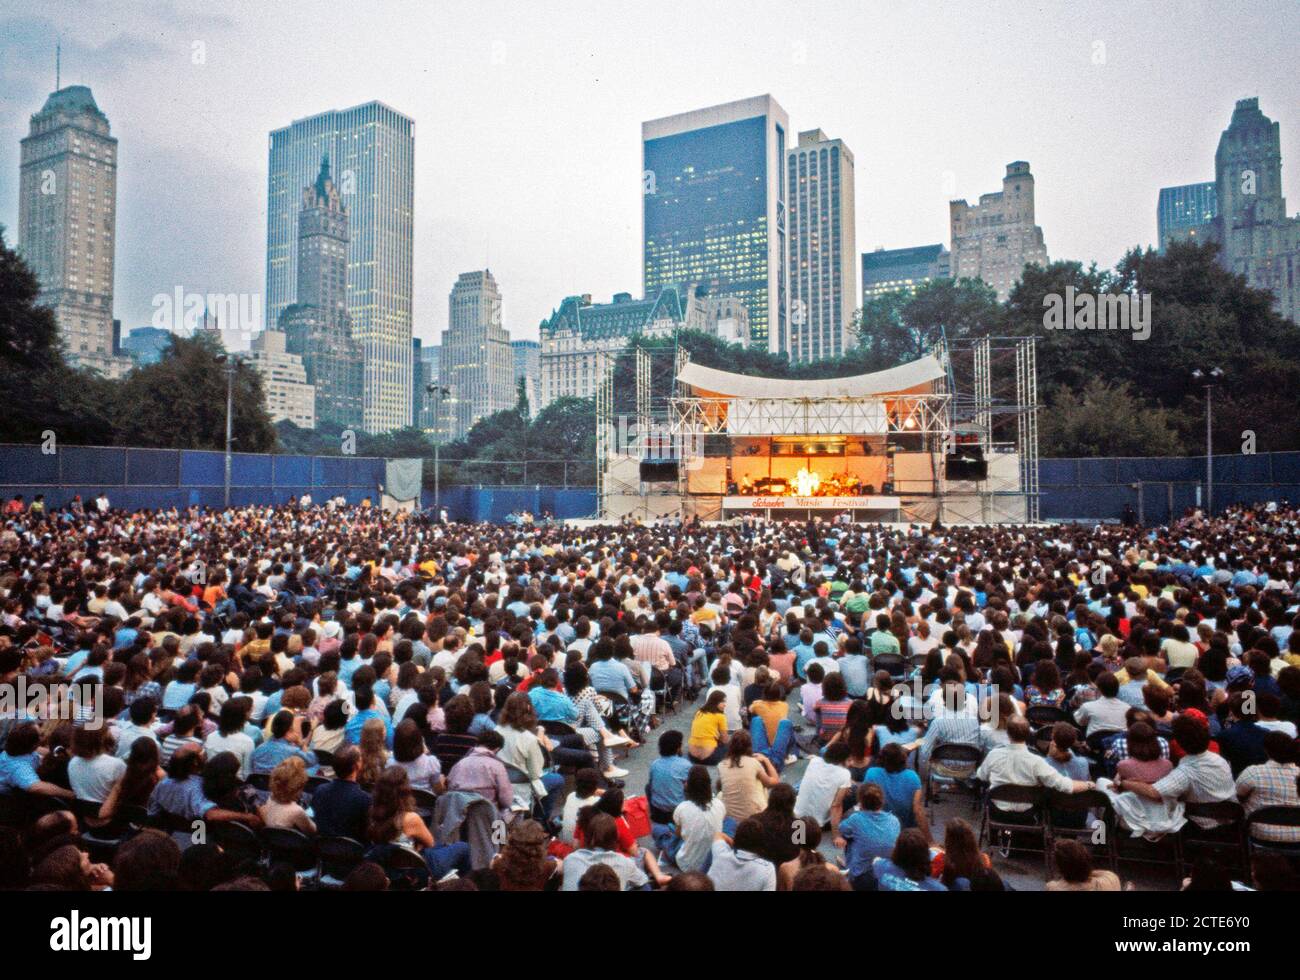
[(293, 847), (891, 662), (1020, 829), (338, 857), (1281, 816), (260, 781), (1226, 840), (101, 839), (1042, 716), (236, 839), (1098, 838), (958, 763), (406, 868)]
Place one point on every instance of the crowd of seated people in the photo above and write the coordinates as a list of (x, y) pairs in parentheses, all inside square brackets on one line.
[(289, 697)]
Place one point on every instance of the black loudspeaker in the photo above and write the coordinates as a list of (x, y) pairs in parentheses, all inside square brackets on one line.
[(658, 470), (967, 463), (886, 489)]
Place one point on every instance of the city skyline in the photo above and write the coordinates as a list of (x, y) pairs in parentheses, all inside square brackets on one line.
[(515, 182)]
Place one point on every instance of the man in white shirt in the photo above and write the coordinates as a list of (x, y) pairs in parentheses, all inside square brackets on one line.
[(1107, 713), (1014, 765), (824, 783)]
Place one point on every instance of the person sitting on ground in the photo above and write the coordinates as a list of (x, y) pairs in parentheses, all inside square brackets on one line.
[(1077, 873)]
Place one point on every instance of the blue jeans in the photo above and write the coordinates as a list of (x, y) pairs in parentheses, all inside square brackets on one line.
[(779, 747), (666, 839), (554, 783), (447, 857)]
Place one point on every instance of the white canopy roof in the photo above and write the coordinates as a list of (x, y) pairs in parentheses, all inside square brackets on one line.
[(905, 377)]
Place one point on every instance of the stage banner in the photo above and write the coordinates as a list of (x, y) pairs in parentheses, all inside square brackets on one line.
[(810, 503)]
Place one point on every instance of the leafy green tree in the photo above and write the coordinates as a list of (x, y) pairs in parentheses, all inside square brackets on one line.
[(900, 327), (42, 393), (1105, 420), (180, 401)]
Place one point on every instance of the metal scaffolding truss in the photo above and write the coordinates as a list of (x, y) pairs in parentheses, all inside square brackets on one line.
[(1027, 421), (868, 415), (605, 432), (983, 391), (1003, 409)]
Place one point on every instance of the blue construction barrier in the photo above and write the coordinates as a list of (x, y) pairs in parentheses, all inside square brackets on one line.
[(1161, 489), (1158, 488)]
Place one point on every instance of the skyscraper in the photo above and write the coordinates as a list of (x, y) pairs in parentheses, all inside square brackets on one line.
[(317, 326), (995, 239), (1187, 211), (1258, 239), (477, 361), (823, 247), (715, 208), (67, 217), (528, 369), (372, 149), (891, 270)]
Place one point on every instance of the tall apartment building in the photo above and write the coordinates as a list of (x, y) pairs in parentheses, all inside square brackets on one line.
[(823, 248), (892, 270), (284, 380), (1258, 239), (317, 326), (997, 238), (528, 370), (714, 212), (1186, 212), (477, 361), (67, 219), (372, 148)]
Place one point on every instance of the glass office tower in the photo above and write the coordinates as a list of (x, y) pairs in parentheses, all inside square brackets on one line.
[(1186, 212), (713, 182), (371, 148)]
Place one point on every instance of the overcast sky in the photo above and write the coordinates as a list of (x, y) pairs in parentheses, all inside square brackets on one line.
[(528, 117)]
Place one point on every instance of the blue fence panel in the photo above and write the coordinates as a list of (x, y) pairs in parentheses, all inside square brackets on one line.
[(92, 466), (1054, 472), (153, 467), (1096, 471), (248, 470), (293, 471), (28, 465), (1146, 470), (202, 468), (331, 471)]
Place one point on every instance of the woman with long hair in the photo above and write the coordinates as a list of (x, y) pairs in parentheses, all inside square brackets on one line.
[(143, 772), (809, 835), (744, 778), (960, 862), (374, 752), (524, 752), (394, 822), (697, 821)]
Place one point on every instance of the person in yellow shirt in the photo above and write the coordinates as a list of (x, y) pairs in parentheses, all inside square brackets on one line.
[(708, 741)]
